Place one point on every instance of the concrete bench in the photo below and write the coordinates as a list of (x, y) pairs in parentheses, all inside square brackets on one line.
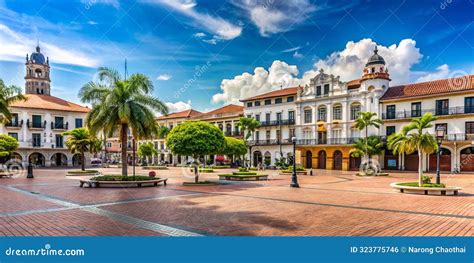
[(427, 190), (91, 183)]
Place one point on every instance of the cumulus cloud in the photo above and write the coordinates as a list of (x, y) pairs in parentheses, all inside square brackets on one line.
[(297, 55), (218, 26), (441, 72), (347, 63), (178, 106), (280, 74), (16, 45), (164, 77), (199, 35), (276, 16)]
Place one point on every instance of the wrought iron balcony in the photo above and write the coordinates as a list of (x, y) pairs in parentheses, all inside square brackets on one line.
[(59, 125), (399, 115), (278, 122), (455, 137), (269, 142), (14, 124), (233, 133), (331, 141), (35, 125)]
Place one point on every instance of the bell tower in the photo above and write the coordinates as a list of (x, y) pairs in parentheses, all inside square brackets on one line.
[(37, 79)]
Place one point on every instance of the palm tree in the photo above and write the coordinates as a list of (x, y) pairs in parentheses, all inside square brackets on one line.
[(412, 138), (371, 146), (124, 105), (8, 95), (249, 125), (81, 141), (365, 120)]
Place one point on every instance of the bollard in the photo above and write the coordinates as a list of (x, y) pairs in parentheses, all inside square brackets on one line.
[(30, 171)]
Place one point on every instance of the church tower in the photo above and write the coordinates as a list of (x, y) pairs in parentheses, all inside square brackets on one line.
[(37, 79)]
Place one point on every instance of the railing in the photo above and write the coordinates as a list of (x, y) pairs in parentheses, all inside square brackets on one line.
[(269, 142), (277, 122), (459, 137), (59, 125), (417, 113), (233, 133), (14, 124), (33, 125), (320, 141)]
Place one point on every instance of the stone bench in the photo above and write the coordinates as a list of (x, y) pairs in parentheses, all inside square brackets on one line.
[(427, 190), (91, 183)]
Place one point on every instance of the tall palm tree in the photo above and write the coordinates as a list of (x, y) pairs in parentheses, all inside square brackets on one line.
[(81, 141), (365, 120), (8, 95), (248, 125), (412, 138), (124, 105)]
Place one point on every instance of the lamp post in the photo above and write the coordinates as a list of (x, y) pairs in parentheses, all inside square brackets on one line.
[(133, 156), (440, 132), (294, 179)]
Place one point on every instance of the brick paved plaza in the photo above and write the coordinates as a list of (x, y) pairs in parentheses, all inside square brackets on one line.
[(329, 203)]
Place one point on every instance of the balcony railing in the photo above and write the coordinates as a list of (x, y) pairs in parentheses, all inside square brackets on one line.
[(278, 122), (269, 142), (438, 112), (333, 141), (459, 137), (233, 133), (14, 124), (59, 126), (35, 125)]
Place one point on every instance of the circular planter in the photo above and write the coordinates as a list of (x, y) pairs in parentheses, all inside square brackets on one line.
[(85, 173), (297, 172), (454, 190)]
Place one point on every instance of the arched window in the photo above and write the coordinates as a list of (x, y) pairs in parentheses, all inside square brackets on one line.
[(355, 109), (322, 113), (308, 115), (337, 112)]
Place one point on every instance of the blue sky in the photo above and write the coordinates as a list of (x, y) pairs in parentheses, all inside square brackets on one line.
[(209, 53)]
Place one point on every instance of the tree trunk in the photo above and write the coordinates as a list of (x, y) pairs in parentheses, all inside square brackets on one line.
[(420, 168), (83, 162), (123, 132)]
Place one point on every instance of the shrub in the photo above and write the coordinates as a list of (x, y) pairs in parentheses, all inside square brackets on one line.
[(415, 184), (221, 167), (426, 179), (253, 169), (83, 172), (244, 173), (122, 178), (243, 169)]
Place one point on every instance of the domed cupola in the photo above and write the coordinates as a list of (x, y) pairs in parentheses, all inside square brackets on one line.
[(375, 59), (37, 57)]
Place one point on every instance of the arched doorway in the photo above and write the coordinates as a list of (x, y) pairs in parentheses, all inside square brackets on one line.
[(337, 162), (257, 158), (267, 159), (354, 163), (467, 159), (36, 159), (76, 159), (309, 159), (322, 159), (444, 160), (59, 159)]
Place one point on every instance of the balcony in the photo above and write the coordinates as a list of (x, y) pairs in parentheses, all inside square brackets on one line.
[(36, 125), (14, 124), (400, 115), (59, 126), (233, 133), (268, 142), (456, 137), (327, 141), (278, 122)]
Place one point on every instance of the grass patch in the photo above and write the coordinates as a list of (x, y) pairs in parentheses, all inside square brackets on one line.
[(155, 168), (82, 172), (204, 170), (242, 175), (122, 178), (415, 184), (221, 167)]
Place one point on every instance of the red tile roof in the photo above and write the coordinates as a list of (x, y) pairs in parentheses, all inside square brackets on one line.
[(47, 102), (353, 84), (227, 110), (275, 93), (434, 87), (181, 114)]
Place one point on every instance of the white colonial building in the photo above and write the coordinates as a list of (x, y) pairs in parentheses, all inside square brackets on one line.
[(39, 121)]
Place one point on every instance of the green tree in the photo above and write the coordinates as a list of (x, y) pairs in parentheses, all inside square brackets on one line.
[(8, 145), (234, 147), (122, 105), (80, 140), (371, 146), (194, 138), (412, 139), (248, 127), (163, 132), (364, 121), (8, 95), (147, 150)]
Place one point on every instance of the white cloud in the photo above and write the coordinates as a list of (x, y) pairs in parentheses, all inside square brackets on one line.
[(16, 45), (349, 62), (178, 106), (273, 16), (90, 3), (218, 26), (441, 72), (92, 23), (164, 77), (280, 74), (288, 50), (297, 55), (211, 41), (200, 35)]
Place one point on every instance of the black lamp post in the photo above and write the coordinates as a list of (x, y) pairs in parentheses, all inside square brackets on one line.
[(133, 156), (294, 179), (440, 132)]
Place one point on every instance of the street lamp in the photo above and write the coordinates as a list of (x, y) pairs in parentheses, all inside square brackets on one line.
[(294, 179), (133, 156), (440, 132)]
